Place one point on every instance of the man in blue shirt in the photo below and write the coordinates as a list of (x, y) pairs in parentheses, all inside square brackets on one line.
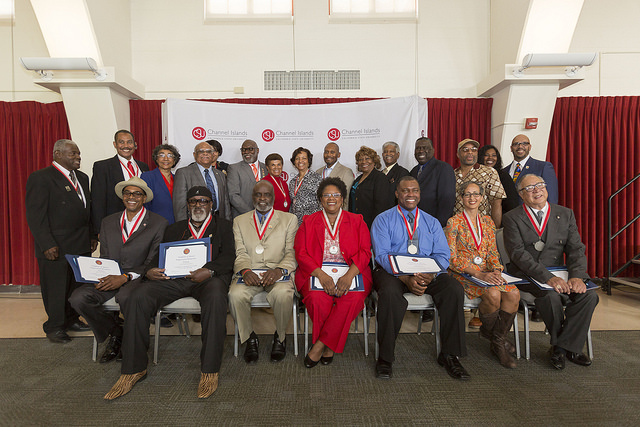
[(405, 229)]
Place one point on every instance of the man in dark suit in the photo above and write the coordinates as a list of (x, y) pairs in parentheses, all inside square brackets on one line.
[(107, 173), (208, 284), (242, 176), (437, 182), (541, 235), (201, 173), (393, 171), (132, 238), (523, 164), (58, 215)]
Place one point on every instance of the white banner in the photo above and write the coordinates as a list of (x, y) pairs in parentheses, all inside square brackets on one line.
[(283, 128)]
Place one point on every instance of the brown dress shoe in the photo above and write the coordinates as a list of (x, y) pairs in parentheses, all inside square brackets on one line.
[(475, 323), (124, 384), (208, 385)]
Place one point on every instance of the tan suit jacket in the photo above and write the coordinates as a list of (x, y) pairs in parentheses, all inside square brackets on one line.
[(277, 241), (345, 174)]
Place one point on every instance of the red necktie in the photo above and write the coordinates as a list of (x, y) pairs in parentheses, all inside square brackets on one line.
[(131, 169), (255, 171)]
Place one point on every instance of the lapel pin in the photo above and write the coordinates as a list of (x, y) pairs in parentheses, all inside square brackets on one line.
[(67, 188), (557, 216)]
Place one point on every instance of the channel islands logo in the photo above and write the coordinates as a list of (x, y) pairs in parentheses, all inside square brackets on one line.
[(334, 270), (333, 134), (199, 133), (186, 251), (98, 262), (268, 135)]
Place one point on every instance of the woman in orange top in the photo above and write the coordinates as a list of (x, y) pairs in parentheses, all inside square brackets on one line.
[(472, 241)]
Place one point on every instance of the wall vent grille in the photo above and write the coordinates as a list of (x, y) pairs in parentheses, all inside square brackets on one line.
[(312, 80)]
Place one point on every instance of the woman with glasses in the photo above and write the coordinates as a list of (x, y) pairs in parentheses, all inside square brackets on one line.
[(370, 194), (304, 185), (342, 238), (160, 181), (489, 155), (474, 253), (282, 200)]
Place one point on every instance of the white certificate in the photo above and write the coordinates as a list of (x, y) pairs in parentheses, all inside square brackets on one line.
[(509, 279), (181, 260), (563, 274), (336, 271), (407, 264), (93, 269)]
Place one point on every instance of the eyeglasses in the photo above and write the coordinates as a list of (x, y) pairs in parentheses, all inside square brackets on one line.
[(134, 194), (248, 149), (469, 195), (469, 149), (199, 202), (520, 144), (530, 188), (198, 152), (166, 156), (329, 195)]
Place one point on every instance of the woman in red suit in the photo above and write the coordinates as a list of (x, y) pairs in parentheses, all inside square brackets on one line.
[(281, 201), (332, 235)]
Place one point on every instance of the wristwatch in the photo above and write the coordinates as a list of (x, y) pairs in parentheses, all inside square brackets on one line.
[(211, 272), (284, 271)]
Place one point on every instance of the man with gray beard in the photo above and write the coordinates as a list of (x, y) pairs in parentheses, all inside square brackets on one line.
[(208, 284), (264, 258)]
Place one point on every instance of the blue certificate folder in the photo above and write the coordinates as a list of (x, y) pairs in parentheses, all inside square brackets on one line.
[(336, 270), (563, 273), (206, 242), (511, 280), (73, 262)]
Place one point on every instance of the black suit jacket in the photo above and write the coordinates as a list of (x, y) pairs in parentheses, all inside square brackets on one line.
[(371, 196), (56, 215), (223, 249), (104, 201), (393, 176), (140, 248), (561, 238), (437, 189)]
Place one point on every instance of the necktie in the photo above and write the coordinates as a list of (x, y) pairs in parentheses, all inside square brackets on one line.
[(410, 218), (420, 169), (539, 216), (255, 171), (516, 173), (207, 179), (131, 169), (72, 175)]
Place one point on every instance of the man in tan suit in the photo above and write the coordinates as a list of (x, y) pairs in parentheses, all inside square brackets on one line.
[(333, 168), (264, 256)]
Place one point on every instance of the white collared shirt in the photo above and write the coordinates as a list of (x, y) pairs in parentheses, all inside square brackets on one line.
[(543, 210), (522, 162), (388, 168), (327, 170), (123, 165), (67, 172)]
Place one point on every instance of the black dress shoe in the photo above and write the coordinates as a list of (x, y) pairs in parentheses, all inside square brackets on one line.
[(578, 358), (279, 349), (308, 362), (112, 350), (453, 366), (59, 337), (427, 316), (535, 316), (557, 358), (164, 321), (119, 356), (383, 369), (326, 360), (78, 326), (251, 351)]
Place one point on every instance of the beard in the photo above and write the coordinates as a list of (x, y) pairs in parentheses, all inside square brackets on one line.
[(267, 209), (198, 214)]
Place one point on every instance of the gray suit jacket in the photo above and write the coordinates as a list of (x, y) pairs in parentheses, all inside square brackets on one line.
[(240, 183), (561, 239), (139, 249), (190, 176), (345, 174)]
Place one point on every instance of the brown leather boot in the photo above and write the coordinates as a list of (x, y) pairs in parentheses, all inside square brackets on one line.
[(500, 331), (486, 330)]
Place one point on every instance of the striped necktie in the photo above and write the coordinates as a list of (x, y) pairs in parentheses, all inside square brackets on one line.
[(516, 173)]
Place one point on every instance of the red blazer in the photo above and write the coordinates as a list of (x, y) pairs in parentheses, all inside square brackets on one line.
[(355, 245), (279, 198)]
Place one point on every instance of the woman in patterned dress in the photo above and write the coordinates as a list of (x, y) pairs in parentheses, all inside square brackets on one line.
[(472, 241), (304, 185)]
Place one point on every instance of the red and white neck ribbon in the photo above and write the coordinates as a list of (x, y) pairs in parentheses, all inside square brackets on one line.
[(261, 229), (136, 223), (410, 232), (476, 234), (539, 228), (198, 234), (276, 179), (135, 168), (299, 183), (75, 187), (333, 231)]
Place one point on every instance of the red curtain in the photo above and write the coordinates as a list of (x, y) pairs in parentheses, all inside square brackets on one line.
[(593, 145), (453, 119), (27, 134)]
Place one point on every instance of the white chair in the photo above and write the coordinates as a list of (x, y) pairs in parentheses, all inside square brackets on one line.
[(365, 328), (109, 305), (186, 305), (416, 303), (475, 303), (260, 301)]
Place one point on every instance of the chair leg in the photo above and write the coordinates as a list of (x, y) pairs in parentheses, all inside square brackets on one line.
[(365, 328), (185, 322), (157, 335), (516, 335), (527, 344), (94, 353), (377, 346), (420, 322), (295, 326), (235, 339), (436, 326), (306, 331), (589, 344)]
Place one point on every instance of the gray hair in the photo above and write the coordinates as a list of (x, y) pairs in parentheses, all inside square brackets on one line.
[(520, 186), (60, 144), (395, 145)]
